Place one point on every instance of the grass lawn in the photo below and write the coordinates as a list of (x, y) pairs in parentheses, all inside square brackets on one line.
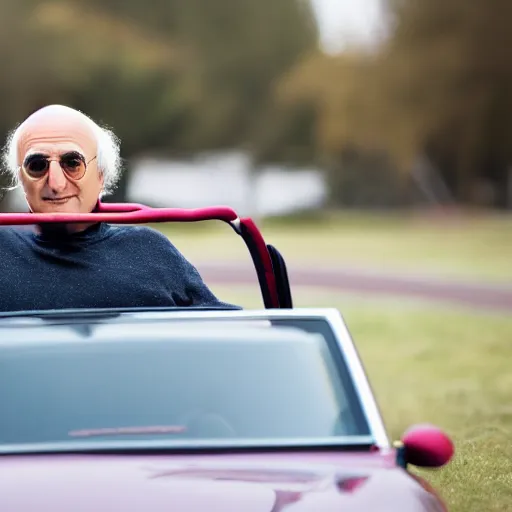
[(448, 367), (476, 247), (427, 364)]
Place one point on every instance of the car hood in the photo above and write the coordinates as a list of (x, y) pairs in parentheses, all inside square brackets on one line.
[(93, 483)]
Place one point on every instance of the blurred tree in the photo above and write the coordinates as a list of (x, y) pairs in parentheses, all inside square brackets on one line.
[(117, 71), (172, 76), (449, 66), (351, 134), (238, 50), (438, 87), (231, 53), (125, 78)]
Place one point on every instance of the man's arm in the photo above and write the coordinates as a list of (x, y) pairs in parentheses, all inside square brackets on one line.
[(182, 279), (197, 293)]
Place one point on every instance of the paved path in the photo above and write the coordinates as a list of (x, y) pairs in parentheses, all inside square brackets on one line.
[(476, 295)]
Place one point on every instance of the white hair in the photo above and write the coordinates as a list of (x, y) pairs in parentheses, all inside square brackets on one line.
[(108, 155)]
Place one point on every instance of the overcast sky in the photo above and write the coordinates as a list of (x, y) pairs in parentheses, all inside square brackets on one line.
[(346, 21)]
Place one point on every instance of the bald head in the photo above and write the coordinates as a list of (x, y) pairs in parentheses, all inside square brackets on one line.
[(58, 113), (59, 124), (56, 126), (58, 117)]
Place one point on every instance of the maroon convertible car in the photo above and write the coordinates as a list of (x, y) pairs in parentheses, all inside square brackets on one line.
[(198, 410)]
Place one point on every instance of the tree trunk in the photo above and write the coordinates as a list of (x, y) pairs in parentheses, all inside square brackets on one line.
[(503, 189), (508, 202), (465, 185)]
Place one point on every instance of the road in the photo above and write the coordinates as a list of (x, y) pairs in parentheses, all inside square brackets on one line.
[(475, 295)]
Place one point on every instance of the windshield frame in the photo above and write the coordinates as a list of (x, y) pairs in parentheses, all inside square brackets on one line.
[(333, 329), (348, 443)]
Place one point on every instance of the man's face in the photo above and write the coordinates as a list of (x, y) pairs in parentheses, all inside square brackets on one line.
[(59, 137)]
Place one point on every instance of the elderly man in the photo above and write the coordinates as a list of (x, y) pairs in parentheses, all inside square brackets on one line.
[(65, 162)]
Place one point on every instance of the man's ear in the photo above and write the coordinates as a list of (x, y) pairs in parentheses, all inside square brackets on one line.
[(101, 177)]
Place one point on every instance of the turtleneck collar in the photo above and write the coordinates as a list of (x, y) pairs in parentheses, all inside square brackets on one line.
[(60, 233)]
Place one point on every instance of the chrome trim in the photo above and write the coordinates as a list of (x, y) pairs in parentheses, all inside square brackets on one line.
[(363, 387), (192, 445), (249, 314), (235, 224)]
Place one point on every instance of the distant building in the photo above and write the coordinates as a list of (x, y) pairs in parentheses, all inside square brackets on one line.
[(226, 179)]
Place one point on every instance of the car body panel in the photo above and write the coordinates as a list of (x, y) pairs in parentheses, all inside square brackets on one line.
[(265, 482), (270, 476)]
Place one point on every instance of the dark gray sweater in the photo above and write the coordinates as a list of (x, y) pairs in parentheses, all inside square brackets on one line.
[(102, 267)]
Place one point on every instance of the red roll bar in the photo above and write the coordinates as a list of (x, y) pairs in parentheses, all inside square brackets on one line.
[(274, 285)]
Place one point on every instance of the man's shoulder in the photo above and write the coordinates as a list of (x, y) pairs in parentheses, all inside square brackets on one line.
[(150, 237), (144, 232), (16, 234)]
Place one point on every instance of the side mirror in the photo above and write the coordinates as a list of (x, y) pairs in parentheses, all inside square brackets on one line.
[(425, 446)]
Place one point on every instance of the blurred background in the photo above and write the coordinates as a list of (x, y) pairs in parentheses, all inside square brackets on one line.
[(279, 106), (370, 139)]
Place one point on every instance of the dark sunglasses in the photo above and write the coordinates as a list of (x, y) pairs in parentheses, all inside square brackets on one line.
[(72, 163)]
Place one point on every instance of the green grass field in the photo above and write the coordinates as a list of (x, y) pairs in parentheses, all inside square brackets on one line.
[(477, 247), (448, 367)]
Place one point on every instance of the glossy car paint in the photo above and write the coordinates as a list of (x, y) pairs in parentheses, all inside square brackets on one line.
[(268, 482)]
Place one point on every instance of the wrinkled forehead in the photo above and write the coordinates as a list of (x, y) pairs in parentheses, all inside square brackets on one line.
[(54, 136)]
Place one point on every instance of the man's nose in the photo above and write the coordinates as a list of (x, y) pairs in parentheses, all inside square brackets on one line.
[(56, 177)]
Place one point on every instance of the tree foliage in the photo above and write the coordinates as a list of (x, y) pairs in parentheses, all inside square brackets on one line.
[(437, 87), (167, 75), (454, 68), (239, 49)]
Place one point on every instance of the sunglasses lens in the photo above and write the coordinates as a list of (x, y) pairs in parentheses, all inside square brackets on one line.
[(36, 167), (73, 164)]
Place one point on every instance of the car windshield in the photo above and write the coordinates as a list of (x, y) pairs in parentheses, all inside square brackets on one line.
[(179, 387)]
